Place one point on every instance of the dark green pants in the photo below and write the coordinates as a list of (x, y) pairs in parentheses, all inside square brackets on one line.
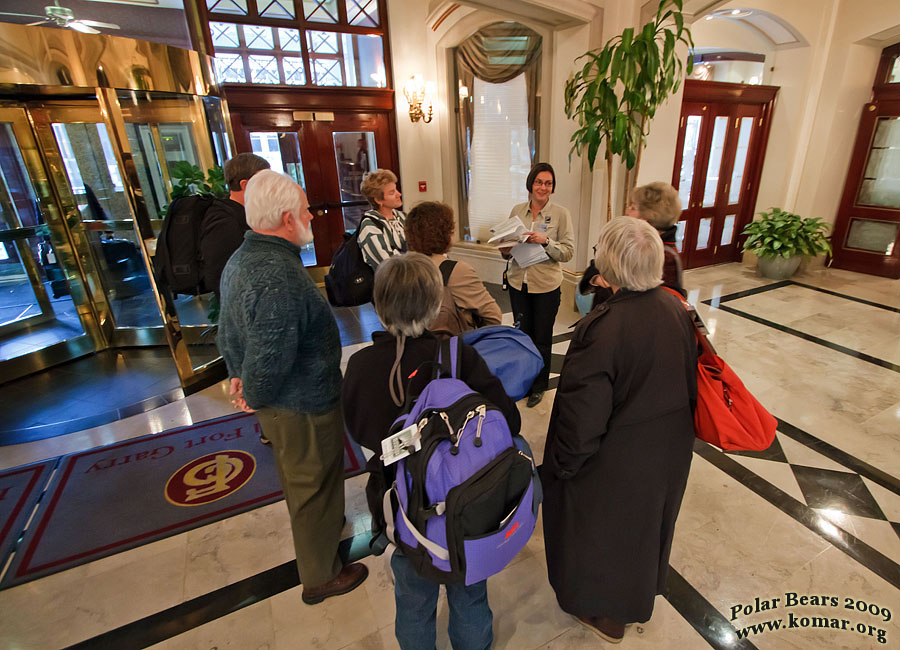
[(310, 460)]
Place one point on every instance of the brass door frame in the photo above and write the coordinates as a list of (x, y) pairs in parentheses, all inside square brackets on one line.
[(55, 225)]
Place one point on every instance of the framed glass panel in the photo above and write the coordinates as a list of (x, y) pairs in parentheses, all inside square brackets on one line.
[(323, 42), (230, 68), (354, 153), (259, 37), (872, 235), (282, 151), (233, 7), (289, 39), (276, 8), (881, 180), (263, 69), (178, 144), (328, 72), (727, 230), (362, 12), (688, 158), (894, 71), (224, 34), (321, 11), (19, 207), (35, 294), (703, 233), (740, 159), (679, 235), (93, 175), (711, 184), (294, 72)]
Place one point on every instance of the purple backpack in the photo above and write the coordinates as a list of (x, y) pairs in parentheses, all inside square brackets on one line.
[(466, 503)]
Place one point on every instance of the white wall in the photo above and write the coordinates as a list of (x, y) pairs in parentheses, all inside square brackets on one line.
[(823, 86)]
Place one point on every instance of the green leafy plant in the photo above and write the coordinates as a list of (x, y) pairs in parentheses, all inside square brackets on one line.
[(618, 89), (785, 234), (190, 180)]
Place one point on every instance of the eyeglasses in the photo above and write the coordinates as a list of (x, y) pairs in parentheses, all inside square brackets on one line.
[(542, 184)]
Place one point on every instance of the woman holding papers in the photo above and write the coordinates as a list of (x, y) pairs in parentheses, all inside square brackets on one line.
[(534, 274)]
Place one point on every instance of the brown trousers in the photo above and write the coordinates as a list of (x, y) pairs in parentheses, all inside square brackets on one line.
[(310, 460)]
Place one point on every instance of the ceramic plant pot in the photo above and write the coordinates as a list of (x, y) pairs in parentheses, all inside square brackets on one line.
[(779, 268)]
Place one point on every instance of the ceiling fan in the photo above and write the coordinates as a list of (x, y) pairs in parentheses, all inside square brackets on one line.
[(65, 17)]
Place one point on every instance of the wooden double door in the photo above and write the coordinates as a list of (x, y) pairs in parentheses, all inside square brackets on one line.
[(721, 144), (327, 153)]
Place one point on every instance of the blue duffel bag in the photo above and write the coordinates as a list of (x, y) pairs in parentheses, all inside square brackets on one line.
[(510, 354)]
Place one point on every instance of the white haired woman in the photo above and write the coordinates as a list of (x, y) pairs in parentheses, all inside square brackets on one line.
[(619, 444), (407, 296), (657, 204)]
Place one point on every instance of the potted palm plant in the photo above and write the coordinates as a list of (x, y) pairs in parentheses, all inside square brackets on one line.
[(618, 88), (781, 240)]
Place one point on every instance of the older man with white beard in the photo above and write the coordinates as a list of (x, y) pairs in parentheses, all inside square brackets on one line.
[(281, 345)]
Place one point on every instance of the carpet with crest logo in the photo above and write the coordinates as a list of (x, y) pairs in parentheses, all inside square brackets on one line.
[(122, 495)]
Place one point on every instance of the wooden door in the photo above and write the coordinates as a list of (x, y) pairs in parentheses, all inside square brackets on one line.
[(721, 143), (867, 230), (327, 153)]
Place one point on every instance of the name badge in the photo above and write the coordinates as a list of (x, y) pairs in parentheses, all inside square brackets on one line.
[(401, 444)]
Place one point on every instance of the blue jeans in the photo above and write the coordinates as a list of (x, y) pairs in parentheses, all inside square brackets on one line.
[(471, 621)]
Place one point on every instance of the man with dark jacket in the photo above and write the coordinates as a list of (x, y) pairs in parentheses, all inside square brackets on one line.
[(223, 227), (283, 352)]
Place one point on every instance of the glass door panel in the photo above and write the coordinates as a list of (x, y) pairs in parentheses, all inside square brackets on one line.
[(165, 130), (881, 179), (354, 156), (38, 278), (282, 150), (105, 216)]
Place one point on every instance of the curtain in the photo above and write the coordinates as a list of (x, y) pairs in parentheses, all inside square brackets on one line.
[(495, 54)]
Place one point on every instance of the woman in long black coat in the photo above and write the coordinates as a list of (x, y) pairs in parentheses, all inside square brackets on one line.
[(618, 450)]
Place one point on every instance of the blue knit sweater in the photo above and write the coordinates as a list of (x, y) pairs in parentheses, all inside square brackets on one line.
[(276, 331)]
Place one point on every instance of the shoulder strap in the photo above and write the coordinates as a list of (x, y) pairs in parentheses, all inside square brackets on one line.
[(449, 358), (446, 268)]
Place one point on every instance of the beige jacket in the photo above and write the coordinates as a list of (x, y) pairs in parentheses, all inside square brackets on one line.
[(470, 295), (556, 221)]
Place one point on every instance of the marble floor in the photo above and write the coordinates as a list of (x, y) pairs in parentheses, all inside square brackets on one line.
[(813, 522)]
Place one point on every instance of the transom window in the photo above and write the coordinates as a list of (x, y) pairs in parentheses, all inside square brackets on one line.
[(333, 43)]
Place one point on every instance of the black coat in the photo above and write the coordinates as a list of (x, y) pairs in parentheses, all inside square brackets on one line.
[(369, 411), (617, 455)]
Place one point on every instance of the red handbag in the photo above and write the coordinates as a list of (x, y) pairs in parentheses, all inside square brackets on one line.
[(727, 414)]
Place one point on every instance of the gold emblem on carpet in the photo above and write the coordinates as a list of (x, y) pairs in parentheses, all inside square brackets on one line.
[(210, 478)]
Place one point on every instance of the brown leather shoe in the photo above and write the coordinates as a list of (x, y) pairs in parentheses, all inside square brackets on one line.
[(606, 628), (350, 577)]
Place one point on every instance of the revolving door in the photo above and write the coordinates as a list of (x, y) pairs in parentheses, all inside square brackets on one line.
[(85, 177)]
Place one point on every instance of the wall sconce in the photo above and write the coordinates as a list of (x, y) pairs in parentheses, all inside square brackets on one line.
[(418, 95)]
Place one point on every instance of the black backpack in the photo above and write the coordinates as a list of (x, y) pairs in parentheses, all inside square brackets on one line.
[(350, 280), (178, 263)]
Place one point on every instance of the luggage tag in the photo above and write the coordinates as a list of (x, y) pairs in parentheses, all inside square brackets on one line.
[(401, 444)]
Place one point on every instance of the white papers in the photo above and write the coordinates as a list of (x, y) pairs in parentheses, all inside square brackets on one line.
[(528, 254), (507, 233)]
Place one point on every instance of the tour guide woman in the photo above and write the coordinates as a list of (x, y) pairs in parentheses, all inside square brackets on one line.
[(534, 291), (619, 444)]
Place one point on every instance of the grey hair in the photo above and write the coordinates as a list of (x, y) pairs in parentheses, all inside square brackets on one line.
[(630, 254), (268, 195), (407, 294), (657, 204)]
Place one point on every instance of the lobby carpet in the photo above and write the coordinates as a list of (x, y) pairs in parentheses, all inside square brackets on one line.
[(112, 498)]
